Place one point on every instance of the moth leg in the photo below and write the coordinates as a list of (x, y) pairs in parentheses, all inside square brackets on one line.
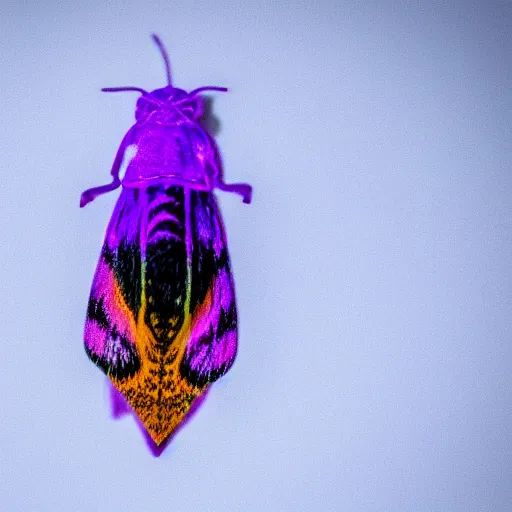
[(242, 189), (118, 405), (91, 193)]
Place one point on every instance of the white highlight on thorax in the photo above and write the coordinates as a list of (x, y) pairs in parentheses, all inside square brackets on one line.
[(128, 156)]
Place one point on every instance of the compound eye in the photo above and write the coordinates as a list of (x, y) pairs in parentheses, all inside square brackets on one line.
[(195, 108), (192, 108), (144, 109), (198, 108)]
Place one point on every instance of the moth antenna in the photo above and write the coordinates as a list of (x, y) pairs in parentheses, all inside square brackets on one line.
[(163, 51), (207, 88), (122, 89)]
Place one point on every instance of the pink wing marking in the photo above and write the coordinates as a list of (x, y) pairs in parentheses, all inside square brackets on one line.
[(212, 347), (109, 334)]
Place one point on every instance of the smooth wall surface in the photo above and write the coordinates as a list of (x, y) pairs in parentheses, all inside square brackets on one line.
[(373, 268)]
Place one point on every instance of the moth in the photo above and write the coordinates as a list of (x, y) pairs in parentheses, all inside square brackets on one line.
[(161, 320)]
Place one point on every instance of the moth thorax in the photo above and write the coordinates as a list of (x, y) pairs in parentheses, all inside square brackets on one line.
[(183, 152)]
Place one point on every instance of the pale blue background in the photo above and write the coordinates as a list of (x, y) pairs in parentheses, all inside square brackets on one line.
[(373, 268)]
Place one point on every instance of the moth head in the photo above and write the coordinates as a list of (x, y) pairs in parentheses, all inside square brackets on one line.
[(171, 103), (168, 104)]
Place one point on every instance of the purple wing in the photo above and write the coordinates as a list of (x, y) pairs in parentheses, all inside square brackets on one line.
[(212, 346), (114, 302)]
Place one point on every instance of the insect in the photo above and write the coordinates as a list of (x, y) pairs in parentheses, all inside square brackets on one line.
[(161, 320)]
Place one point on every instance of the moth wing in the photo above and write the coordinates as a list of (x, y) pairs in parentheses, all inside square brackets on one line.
[(115, 297), (212, 346)]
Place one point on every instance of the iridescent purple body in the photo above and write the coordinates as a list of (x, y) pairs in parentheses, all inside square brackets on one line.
[(161, 320), (168, 145)]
